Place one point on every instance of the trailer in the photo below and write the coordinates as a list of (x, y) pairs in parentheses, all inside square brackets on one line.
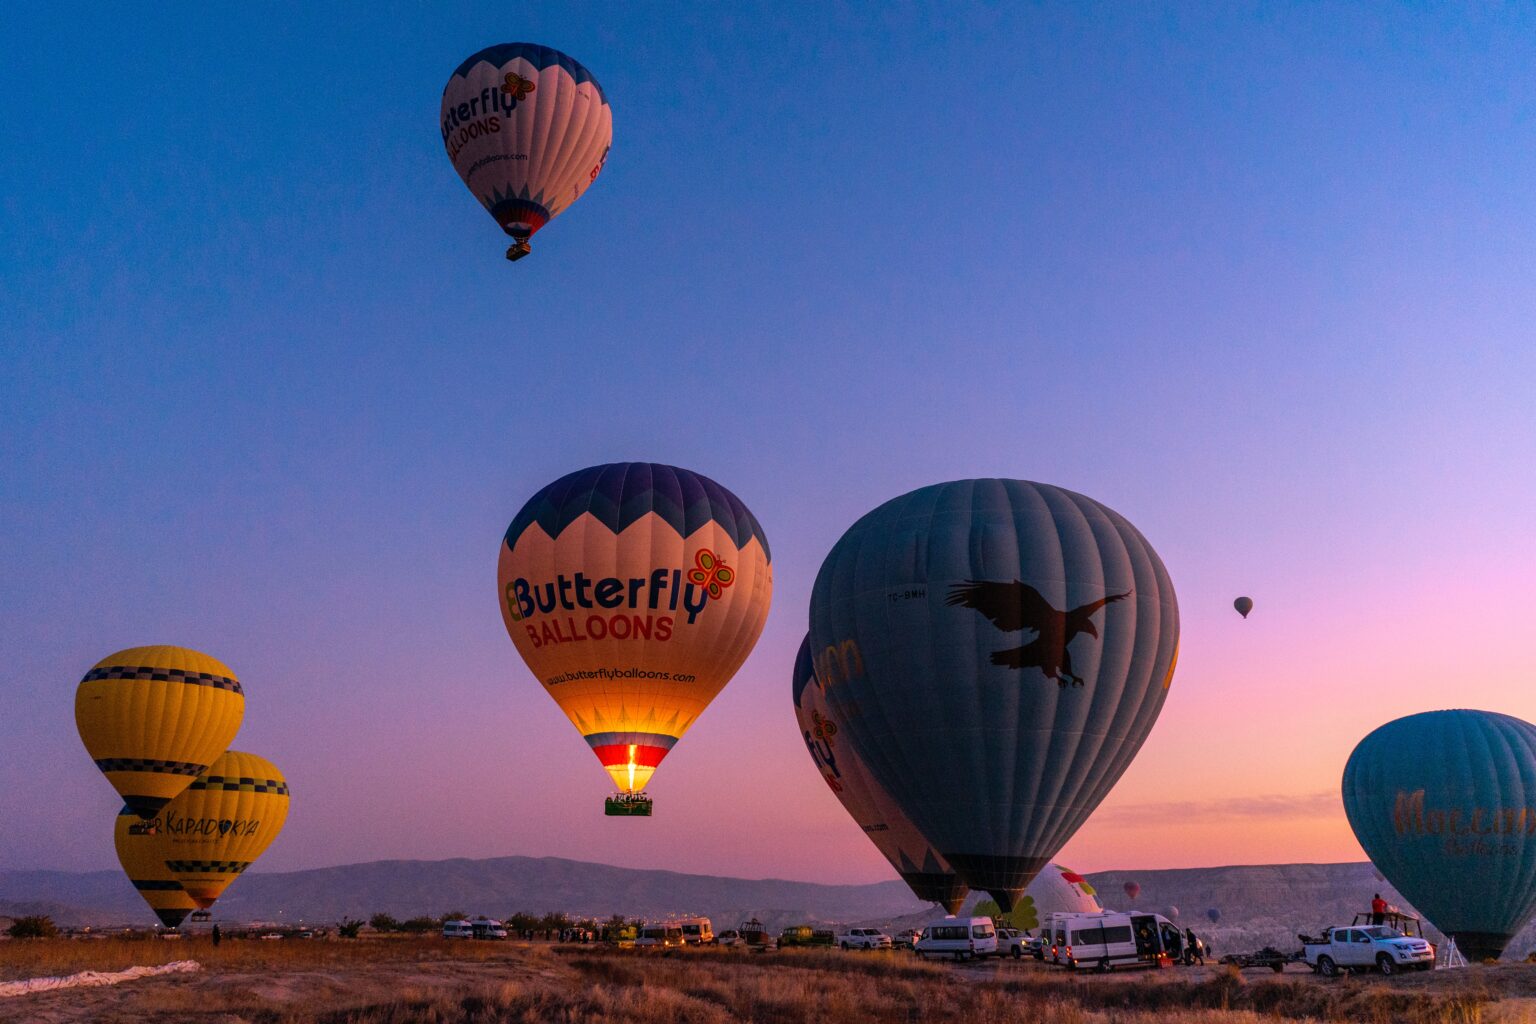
[(1269, 956)]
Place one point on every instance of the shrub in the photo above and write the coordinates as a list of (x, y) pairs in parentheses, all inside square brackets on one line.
[(39, 927), (348, 928)]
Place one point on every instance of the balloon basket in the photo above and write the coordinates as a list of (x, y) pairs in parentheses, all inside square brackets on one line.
[(518, 249), (628, 805)]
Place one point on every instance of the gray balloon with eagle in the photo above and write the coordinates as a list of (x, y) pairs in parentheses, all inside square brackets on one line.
[(997, 652)]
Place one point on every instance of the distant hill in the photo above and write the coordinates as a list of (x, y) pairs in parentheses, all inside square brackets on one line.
[(1258, 904)]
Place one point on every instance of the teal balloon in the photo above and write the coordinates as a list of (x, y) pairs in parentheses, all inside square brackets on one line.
[(997, 651), (1444, 804)]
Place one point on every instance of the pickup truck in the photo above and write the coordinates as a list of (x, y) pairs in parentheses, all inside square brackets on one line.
[(864, 938), (1364, 947), (1014, 943)]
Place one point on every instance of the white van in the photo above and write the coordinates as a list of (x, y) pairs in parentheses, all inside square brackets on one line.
[(488, 928), (659, 936), (964, 938), (1110, 939), (697, 931), (458, 930)]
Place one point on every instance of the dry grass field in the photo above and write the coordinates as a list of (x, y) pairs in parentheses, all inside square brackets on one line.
[(428, 980)]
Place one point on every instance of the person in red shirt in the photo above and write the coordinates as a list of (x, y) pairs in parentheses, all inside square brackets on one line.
[(1378, 910)]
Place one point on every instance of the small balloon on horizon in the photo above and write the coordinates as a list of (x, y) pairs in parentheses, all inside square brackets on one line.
[(1244, 605)]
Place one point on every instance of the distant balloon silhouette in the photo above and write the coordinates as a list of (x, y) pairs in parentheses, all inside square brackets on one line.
[(1172, 914), (1444, 804), (1244, 605), (916, 623), (1213, 914), (1132, 890)]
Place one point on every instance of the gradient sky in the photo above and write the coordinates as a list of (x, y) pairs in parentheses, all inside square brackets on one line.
[(1258, 277)]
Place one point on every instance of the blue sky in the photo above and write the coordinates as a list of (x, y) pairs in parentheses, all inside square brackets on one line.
[(1258, 277)]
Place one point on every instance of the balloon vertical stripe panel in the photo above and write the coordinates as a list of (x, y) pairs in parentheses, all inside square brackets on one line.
[(915, 859), (634, 591), (1444, 804), (999, 650)]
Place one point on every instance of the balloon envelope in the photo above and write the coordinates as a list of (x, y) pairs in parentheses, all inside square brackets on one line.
[(223, 822), (154, 718), (871, 808), (1244, 605), (1172, 913), (528, 129), (1214, 915), (1444, 804), (141, 850), (1055, 889), (1132, 890), (997, 651), (634, 591)]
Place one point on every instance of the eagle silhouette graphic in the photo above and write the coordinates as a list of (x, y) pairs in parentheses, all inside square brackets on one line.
[(1016, 606)]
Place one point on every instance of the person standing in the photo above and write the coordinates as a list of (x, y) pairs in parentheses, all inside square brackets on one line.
[(1193, 950), (1378, 910), (218, 936)]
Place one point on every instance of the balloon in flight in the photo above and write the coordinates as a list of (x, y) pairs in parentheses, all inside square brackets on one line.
[(871, 808), (1444, 804), (528, 129), (996, 652), (1244, 605), (1172, 913), (222, 823), (1132, 890), (153, 718), (634, 591), (1054, 890), (1213, 914), (141, 850)]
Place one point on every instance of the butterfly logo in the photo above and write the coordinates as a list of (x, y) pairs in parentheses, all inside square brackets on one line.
[(516, 86), (711, 573)]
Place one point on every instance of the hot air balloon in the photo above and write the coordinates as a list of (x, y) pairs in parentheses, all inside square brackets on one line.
[(1214, 914), (1244, 605), (1132, 890), (1172, 913), (528, 129), (1054, 890), (996, 651), (141, 849), (634, 591), (154, 717), (1444, 804), (224, 821), (871, 808)]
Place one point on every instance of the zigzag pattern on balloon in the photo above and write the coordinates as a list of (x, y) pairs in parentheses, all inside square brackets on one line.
[(619, 494), (540, 57)]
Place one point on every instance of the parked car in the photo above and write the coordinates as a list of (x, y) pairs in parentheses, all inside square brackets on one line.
[(1378, 946), (458, 930), (962, 938), (864, 938), (1012, 942), (659, 936), (905, 939)]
